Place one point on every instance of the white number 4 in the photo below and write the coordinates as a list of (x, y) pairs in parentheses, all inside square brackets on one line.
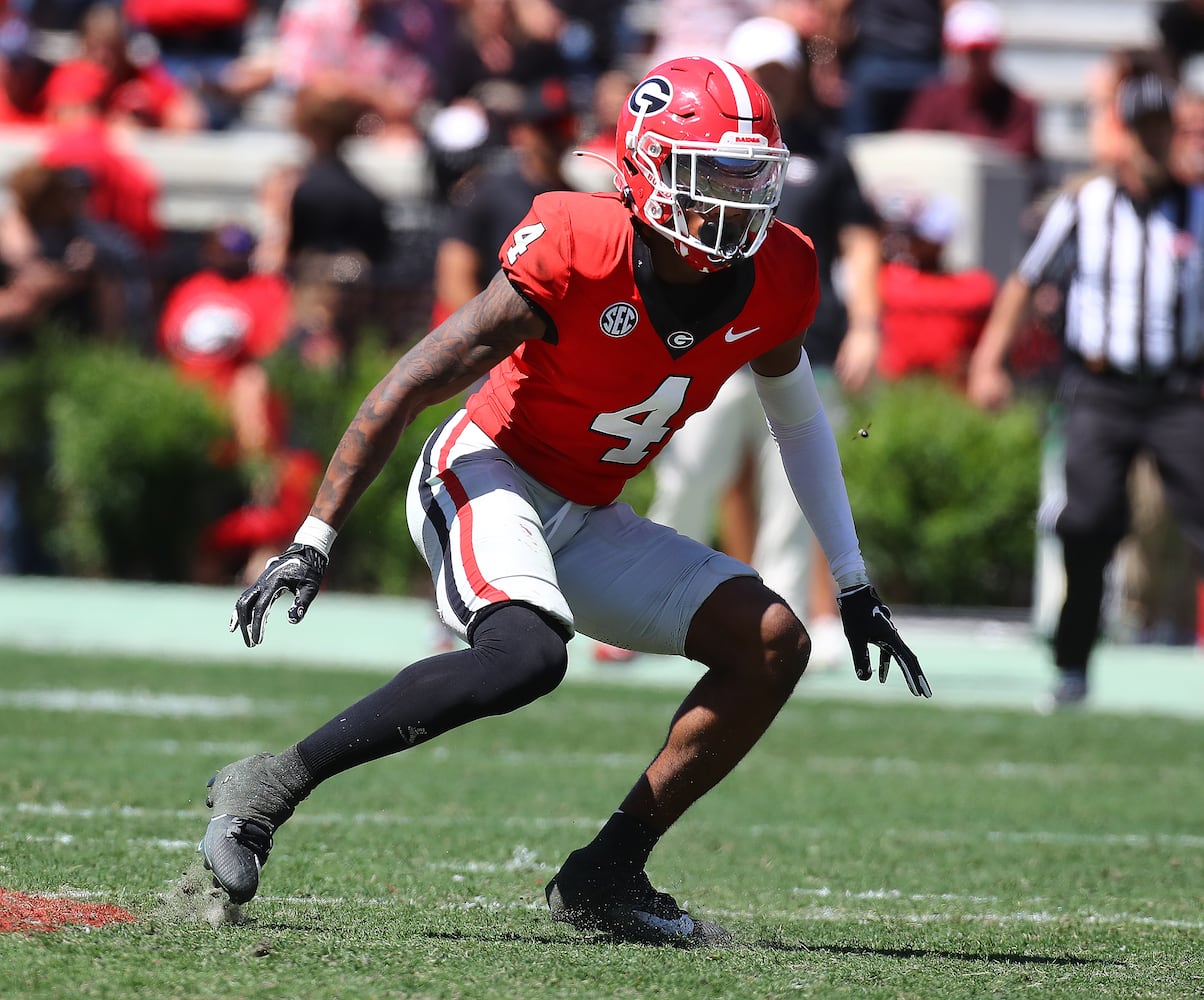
[(643, 424), (523, 238)]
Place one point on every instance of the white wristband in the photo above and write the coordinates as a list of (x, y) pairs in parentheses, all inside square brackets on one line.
[(316, 532)]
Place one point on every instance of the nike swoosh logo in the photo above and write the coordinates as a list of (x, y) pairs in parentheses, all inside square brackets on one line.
[(732, 336), (682, 927)]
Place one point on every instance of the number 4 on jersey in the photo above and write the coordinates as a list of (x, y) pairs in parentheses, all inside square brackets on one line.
[(523, 238), (651, 426)]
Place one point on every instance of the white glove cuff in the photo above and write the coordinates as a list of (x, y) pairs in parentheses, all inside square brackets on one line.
[(316, 532)]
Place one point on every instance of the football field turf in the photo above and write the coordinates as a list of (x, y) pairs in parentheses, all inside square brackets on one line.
[(871, 846)]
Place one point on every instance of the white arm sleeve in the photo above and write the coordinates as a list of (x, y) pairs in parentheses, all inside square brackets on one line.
[(804, 437)]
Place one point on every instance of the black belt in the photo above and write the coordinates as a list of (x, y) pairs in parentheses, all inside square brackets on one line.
[(1184, 380)]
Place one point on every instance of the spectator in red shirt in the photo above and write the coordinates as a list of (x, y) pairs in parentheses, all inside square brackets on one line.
[(931, 317), (137, 90), (121, 189), (217, 327), (224, 313), (972, 98)]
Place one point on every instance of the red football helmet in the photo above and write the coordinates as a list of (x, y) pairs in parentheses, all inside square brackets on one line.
[(698, 135)]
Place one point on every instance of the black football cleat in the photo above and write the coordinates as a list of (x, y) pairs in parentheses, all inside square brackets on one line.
[(622, 903)]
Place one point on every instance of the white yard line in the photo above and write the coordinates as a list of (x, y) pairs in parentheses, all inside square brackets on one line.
[(383, 818), (142, 703)]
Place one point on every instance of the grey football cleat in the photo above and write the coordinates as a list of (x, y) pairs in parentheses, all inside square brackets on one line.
[(624, 904), (235, 850), (250, 799)]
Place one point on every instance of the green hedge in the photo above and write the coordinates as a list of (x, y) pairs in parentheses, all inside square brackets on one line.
[(113, 459), (944, 495)]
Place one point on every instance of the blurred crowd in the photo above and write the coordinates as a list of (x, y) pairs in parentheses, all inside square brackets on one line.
[(497, 95)]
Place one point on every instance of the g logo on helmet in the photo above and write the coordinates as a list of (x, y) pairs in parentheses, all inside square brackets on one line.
[(680, 340), (618, 320), (651, 96)]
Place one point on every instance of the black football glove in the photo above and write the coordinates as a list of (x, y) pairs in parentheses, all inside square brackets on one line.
[(867, 622), (297, 570)]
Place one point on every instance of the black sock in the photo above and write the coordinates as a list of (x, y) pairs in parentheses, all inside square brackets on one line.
[(517, 655), (626, 840)]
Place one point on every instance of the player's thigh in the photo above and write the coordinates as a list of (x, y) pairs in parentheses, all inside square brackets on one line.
[(636, 583), (480, 528)]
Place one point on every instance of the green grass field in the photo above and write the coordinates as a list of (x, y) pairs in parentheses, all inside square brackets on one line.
[(893, 849)]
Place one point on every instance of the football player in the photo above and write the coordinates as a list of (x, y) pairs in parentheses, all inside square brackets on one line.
[(614, 317)]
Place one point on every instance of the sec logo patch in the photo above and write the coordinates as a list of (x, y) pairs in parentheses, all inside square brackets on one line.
[(618, 320)]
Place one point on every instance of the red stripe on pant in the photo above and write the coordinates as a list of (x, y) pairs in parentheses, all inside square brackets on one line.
[(459, 496)]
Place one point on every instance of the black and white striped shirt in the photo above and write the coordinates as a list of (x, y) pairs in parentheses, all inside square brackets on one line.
[(1134, 279)]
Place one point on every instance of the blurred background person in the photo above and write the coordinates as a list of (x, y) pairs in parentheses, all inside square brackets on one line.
[(109, 294), (1109, 139), (217, 327), (122, 189), (198, 41), (723, 459), (511, 41), (135, 88), (379, 53), (889, 50), (54, 268), (1133, 374), (336, 234), (971, 98), (488, 202), (23, 75), (932, 317)]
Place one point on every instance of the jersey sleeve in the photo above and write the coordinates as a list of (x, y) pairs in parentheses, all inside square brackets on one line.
[(537, 255), (1058, 228)]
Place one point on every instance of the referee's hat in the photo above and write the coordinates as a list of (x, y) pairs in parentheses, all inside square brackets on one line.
[(1143, 97)]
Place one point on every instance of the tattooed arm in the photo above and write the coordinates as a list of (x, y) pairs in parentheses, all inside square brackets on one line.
[(446, 361)]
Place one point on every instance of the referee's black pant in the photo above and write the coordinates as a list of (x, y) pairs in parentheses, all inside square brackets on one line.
[(1109, 420)]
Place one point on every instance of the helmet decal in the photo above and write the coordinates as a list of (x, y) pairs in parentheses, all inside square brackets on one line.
[(651, 97)]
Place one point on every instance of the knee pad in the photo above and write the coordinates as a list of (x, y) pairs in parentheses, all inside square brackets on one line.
[(522, 651)]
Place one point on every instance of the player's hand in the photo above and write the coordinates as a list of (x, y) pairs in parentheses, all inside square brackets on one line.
[(297, 570), (867, 622)]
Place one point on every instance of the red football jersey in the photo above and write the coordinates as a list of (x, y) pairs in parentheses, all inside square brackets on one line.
[(627, 358)]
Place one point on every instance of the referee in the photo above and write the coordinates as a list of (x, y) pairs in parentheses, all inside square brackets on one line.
[(1126, 248)]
